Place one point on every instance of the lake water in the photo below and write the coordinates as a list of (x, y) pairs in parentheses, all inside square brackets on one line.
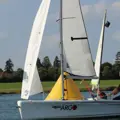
[(9, 111)]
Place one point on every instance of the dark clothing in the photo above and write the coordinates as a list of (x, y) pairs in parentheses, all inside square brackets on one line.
[(117, 98), (102, 95), (93, 96)]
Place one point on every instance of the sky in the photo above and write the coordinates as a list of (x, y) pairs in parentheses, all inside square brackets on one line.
[(17, 16)]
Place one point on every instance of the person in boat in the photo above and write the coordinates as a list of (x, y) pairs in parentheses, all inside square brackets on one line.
[(115, 92), (102, 95)]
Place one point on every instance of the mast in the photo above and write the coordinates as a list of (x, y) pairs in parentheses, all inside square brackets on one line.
[(102, 35), (61, 43)]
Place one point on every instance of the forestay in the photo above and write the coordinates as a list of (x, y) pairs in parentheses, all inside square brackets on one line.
[(75, 41), (95, 82), (31, 83)]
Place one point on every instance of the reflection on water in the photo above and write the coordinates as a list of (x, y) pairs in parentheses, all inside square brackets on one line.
[(9, 110)]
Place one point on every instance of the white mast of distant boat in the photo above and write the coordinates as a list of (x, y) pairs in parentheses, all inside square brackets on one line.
[(95, 82)]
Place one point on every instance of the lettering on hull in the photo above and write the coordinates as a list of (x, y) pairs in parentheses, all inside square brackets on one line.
[(65, 107)]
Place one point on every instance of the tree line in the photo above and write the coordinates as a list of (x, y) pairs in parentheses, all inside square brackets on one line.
[(50, 71)]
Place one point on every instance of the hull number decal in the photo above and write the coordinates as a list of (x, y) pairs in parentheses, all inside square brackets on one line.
[(65, 107)]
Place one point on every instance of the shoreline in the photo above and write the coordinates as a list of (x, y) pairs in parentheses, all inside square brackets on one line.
[(48, 90)]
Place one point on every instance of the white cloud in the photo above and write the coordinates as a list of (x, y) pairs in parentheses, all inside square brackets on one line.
[(98, 8), (116, 35), (86, 9), (116, 5), (93, 8)]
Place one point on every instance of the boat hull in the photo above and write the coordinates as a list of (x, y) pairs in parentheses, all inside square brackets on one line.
[(38, 109)]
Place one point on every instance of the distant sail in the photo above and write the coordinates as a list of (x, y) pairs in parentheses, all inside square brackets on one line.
[(95, 82), (75, 41), (31, 83)]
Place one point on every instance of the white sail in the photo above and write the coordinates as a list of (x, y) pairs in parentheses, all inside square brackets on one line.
[(95, 82), (36, 86), (77, 50), (30, 77)]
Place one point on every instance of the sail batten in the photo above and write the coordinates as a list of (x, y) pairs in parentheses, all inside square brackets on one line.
[(75, 40), (31, 82)]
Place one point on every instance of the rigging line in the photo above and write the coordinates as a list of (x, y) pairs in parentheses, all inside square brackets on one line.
[(92, 95)]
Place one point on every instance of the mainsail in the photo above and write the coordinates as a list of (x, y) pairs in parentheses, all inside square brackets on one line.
[(31, 83), (75, 41), (95, 82)]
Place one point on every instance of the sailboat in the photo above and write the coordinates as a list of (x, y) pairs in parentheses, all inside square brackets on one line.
[(75, 49), (96, 82)]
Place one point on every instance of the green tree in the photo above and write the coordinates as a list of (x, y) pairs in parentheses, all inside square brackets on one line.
[(39, 64), (18, 75), (51, 74), (46, 62), (9, 66), (116, 71), (43, 72), (46, 65), (117, 60), (20, 72), (56, 62), (56, 65), (1, 70), (105, 70)]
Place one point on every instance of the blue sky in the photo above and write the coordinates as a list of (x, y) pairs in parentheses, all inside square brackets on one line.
[(16, 22)]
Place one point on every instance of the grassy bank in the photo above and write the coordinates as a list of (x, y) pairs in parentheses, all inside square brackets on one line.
[(16, 87)]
